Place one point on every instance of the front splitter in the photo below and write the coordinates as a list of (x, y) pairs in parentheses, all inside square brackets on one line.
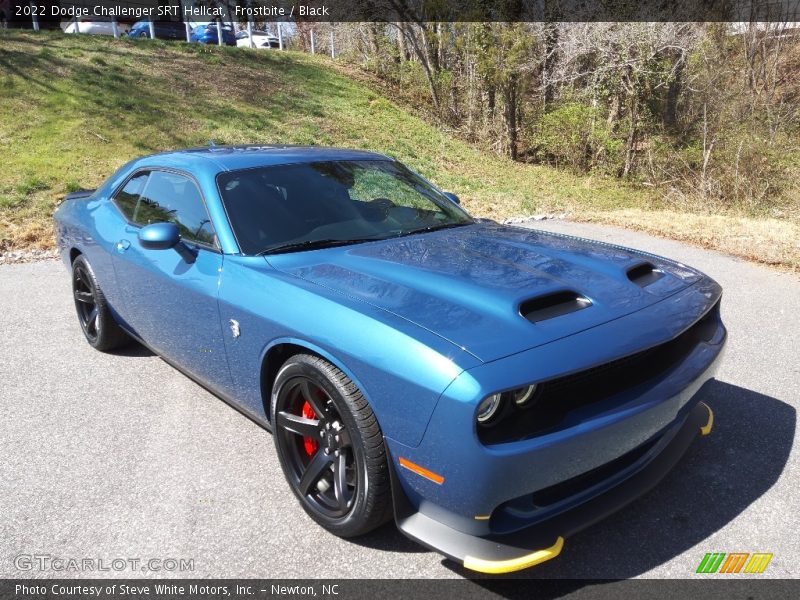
[(544, 541)]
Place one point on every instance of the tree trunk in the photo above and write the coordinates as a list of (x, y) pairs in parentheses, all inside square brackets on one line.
[(422, 51), (429, 38), (630, 145), (510, 89), (372, 36), (674, 93), (491, 101), (550, 42), (401, 42), (440, 46)]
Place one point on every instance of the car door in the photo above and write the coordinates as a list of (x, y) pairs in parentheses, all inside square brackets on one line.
[(170, 303)]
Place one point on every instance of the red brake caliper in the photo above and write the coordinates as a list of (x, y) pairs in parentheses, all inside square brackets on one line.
[(310, 444)]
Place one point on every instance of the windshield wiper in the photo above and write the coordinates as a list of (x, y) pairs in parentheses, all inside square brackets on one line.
[(435, 227), (332, 242), (313, 245)]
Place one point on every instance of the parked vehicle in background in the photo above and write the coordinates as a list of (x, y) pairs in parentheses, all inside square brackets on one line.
[(261, 39), (165, 30), (207, 34), (91, 27)]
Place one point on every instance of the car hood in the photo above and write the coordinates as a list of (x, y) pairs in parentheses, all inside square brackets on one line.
[(473, 285)]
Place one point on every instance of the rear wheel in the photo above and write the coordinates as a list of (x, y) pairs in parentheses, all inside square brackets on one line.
[(94, 316), (330, 447)]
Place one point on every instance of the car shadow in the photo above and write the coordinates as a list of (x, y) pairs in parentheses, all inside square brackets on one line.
[(388, 538), (133, 350), (718, 478)]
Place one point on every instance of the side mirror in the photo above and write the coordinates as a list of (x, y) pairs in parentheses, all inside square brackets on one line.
[(452, 197), (163, 236), (159, 236)]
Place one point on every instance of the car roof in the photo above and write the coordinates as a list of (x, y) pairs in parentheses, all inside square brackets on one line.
[(230, 158)]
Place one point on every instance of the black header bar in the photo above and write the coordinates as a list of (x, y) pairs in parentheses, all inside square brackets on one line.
[(422, 10)]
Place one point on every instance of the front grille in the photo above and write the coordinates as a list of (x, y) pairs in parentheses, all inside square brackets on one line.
[(556, 398)]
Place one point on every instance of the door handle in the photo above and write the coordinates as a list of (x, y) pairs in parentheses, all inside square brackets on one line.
[(123, 245)]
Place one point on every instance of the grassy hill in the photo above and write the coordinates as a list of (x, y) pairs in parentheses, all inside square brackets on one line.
[(74, 108)]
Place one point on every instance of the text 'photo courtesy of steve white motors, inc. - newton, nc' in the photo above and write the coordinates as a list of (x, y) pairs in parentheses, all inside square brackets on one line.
[(176, 10), (193, 590)]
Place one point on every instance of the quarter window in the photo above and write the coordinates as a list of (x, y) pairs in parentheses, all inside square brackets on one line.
[(161, 196), (128, 196)]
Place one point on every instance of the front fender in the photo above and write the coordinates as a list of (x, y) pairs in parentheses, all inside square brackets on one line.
[(401, 368)]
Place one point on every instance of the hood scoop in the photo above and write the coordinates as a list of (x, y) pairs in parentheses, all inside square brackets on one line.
[(553, 305), (644, 274)]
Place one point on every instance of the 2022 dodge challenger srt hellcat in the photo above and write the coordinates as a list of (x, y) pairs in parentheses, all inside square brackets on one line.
[(494, 388)]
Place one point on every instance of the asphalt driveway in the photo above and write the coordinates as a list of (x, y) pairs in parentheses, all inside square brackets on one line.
[(120, 456)]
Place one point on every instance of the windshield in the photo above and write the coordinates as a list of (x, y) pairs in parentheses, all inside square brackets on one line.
[(304, 206)]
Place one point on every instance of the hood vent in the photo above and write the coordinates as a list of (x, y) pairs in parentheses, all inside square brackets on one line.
[(644, 274), (553, 305)]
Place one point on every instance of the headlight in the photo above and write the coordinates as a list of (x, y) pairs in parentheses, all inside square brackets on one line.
[(522, 396), (491, 406), (488, 408)]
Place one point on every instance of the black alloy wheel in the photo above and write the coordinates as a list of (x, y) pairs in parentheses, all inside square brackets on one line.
[(330, 447), (318, 448), (84, 291), (95, 318)]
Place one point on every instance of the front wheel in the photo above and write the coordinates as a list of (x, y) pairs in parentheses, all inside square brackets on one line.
[(330, 447)]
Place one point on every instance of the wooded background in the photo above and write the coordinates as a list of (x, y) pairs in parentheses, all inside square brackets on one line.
[(706, 113)]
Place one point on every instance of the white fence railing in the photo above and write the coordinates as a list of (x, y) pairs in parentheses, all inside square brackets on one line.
[(113, 27)]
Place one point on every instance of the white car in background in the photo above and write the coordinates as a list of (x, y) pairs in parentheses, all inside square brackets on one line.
[(91, 27), (261, 39)]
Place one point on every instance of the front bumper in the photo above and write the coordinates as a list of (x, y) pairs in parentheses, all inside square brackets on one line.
[(544, 541), (514, 502)]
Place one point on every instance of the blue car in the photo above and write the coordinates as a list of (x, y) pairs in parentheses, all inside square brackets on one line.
[(207, 34), (493, 389), (164, 30)]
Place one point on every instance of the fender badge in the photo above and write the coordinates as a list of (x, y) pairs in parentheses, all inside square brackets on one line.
[(235, 328)]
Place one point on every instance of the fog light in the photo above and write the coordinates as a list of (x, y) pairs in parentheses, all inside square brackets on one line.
[(488, 408), (522, 396)]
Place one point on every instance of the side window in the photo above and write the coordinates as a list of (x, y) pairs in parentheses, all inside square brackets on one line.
[(173, 198), (127, 198)]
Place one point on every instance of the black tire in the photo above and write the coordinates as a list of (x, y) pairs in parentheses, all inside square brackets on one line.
[(335, 463), (95, 318)]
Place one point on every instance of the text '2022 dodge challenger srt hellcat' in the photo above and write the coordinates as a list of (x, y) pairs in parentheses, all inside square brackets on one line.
[(494, 389)]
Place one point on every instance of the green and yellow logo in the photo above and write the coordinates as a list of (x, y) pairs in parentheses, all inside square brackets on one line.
[(736, 562)]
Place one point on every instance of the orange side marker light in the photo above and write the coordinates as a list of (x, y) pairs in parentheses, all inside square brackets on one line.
[(421, 471)]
